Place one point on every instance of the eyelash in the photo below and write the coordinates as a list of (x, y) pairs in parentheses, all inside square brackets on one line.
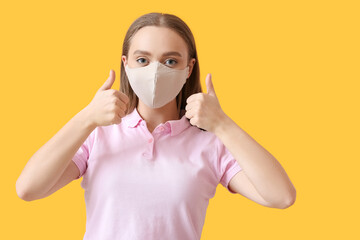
[(167, 59)]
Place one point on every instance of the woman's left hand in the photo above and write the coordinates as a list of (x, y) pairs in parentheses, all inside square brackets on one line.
[(203, 109)]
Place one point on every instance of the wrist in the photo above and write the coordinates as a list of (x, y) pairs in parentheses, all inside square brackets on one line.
[(222, 123), (85, 118)]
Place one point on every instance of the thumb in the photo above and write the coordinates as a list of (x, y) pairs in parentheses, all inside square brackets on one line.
[(209, 85), (109, 82)]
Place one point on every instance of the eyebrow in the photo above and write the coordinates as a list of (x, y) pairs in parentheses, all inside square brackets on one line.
[(173, 53)]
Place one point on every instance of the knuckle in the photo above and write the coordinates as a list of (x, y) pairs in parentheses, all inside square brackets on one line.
[(122, 106), (122, 113), (112, 91), (125, 98), (114, 100)]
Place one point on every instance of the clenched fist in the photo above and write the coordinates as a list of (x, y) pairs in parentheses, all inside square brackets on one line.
[(108, 105)]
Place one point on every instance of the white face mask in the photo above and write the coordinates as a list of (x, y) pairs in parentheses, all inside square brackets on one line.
[(156, 84)]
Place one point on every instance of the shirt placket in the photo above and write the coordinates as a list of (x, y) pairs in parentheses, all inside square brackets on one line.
[(150, 139)]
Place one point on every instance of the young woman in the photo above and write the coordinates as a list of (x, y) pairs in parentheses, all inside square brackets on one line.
[(152, 154)]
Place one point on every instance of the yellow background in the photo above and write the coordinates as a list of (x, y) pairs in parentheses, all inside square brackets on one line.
[(286, 71)]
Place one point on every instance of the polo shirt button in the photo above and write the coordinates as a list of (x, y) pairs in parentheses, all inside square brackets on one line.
[(150, 140), (161, 128)]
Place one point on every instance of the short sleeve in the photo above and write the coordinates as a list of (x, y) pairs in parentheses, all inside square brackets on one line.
[(83, 153), (227, 165)]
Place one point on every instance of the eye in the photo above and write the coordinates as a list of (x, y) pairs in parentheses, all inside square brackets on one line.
[(172, 60), (139, 59)]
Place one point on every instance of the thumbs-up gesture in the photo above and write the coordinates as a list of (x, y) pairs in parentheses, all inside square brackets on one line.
[(203, 109), (108, 105)]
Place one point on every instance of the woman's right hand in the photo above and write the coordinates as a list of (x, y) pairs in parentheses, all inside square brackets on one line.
[(108, 105)]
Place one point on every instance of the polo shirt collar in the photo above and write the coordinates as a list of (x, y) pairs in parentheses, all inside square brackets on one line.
[(176, 126)]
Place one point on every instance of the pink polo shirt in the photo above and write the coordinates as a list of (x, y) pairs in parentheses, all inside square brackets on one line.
[(141, 185)]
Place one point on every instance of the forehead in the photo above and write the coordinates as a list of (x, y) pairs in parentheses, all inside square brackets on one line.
[(157, 40)]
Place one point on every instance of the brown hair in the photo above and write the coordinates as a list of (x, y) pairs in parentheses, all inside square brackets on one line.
[(173, 22)]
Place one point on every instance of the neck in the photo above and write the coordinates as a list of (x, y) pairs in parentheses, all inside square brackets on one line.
[(155, 116)]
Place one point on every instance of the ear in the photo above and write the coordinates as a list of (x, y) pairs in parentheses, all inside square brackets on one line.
[(191, 66), (124, 60)]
